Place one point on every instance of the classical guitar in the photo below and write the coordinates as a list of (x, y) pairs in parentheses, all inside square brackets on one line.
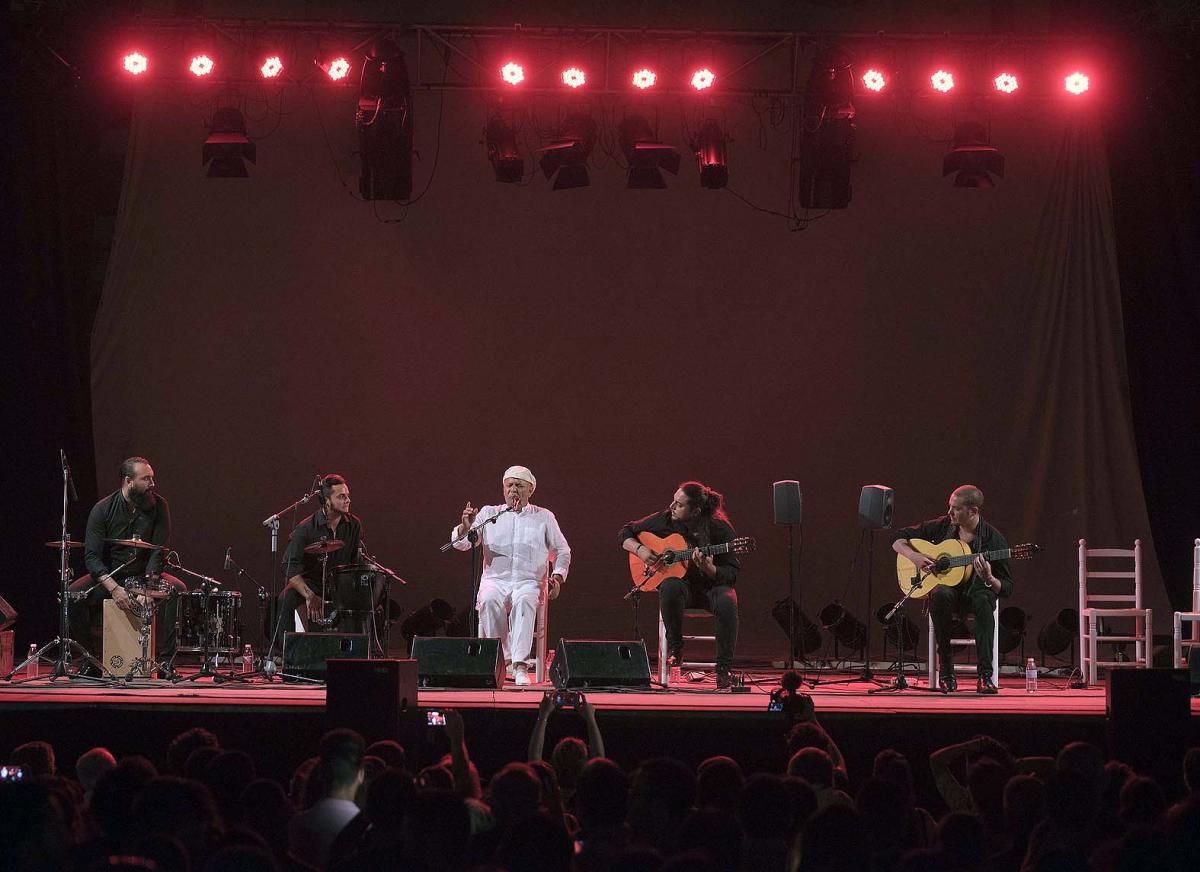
[(674, 553), (952, 563)]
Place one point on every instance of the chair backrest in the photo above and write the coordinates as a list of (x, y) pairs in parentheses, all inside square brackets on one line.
[(1196, 576), (1110, 588)]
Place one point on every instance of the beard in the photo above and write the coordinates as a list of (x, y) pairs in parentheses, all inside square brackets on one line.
[(142, 499)]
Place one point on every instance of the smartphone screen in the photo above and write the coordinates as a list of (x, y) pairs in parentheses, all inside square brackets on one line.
[(11, 773), (435, 718)]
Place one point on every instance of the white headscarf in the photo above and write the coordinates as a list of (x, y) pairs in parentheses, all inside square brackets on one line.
[(521, 472)]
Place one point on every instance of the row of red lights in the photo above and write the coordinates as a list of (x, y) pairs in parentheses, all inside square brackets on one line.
[(513, 73), (1005, 82)]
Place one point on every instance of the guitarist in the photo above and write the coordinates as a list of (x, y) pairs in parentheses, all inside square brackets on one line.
[(963, 521), (697, 514)]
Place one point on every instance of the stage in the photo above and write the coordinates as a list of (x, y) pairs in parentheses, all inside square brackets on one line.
[(280, 723)]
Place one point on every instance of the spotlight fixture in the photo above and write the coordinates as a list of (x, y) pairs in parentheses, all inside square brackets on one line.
[(1005, 83), (200, 66), (846, 628), (973, 158), (703, 79), (1057, 636), (385, 125), (644, 78), (1076, 83), (827, 136), (271, 67), (567, 154), (711, 148), (644, 154), (1011, 627), (898, 629), (502, 151), (227, 147), (512, 73), (135, 63), (574, 77), (808, 634), (429, 620), (874, 80), (337, 69), (943, 81)]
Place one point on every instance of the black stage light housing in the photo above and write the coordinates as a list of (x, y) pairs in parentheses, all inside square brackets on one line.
[(227, 147), (502, 151), (645, 155), (565, 158), (973, 158), (384, 120)]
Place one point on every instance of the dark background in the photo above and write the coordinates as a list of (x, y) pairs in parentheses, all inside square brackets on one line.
[(254, 333)]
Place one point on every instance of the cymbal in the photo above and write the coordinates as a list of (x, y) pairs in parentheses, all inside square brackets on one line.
[(325, 546), (152, 592), (136, 543), (57, 543)]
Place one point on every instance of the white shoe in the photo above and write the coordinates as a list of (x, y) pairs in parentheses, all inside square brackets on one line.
[(521, 674)]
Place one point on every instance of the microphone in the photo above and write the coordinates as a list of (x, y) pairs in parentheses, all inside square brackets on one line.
[(62, 455), (227, 557)]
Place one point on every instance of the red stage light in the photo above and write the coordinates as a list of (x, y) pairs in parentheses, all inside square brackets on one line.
[(1005, 83), (135, 63), (271, 67), (201, 65), (513, 73), (338, 69), (703, 78), (573, 77), (1076, 83), (874, 80), (942, 81), (644, 78)]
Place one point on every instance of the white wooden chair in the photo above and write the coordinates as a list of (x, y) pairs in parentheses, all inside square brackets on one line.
[(1191, 618), (935, 678), (688, 614), (1108, 595), (540, 643)]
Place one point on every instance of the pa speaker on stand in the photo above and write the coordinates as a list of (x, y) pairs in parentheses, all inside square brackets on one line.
[(788, 502)]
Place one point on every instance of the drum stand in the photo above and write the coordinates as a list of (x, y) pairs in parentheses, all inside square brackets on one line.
[(145, 666), (65, 644), (207, 666)]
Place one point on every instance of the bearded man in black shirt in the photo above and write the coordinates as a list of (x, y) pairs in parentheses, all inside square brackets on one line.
[(978, 594), (134, 511), (696, 513)]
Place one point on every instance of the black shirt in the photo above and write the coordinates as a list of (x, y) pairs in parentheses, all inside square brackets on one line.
[(312, 529), (660, 524), (115, 518), (987, 538)]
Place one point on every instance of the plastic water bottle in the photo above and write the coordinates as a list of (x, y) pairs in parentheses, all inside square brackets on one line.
[(1030, 676), (31, 668), (247, 659)]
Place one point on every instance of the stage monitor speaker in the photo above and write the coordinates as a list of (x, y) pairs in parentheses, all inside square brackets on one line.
[(305, 654), (586, 663), (370, 696), (121, 643), (787, 502), (876, 505), (1149, 713), (451, 661)]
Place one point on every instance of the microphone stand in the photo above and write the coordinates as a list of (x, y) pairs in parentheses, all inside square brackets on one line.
[(272, 523), (390, 576), (472, 535), (262, 597)]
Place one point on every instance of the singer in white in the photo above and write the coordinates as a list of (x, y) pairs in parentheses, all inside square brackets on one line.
[(518, 546)]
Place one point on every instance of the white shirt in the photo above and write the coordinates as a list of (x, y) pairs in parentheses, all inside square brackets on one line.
[(517, 546), (311, 833)]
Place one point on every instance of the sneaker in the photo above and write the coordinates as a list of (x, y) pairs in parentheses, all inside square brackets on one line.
[(949, 682), (986, 686), (521, 674)]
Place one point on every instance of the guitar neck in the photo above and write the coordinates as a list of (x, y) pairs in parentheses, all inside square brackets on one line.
[(706, 549), (1000, 554)]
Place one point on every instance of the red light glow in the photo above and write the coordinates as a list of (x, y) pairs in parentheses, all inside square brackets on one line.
[(644, 78), (1005, 83), (271, 67), (513, 73), (1076, 83), (942, 81), (201, 65), (874, 80), (703, 79), (573, 77), (339, 68), (135, 63)]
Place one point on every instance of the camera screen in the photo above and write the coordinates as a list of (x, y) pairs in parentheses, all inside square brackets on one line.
[(11, 773), (435, 719)]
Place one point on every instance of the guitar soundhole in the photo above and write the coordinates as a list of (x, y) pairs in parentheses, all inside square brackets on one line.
[(941, 565)]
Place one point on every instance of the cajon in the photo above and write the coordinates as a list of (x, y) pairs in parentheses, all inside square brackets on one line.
[(122, 640)]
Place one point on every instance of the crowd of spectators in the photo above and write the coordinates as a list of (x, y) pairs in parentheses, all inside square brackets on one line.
[(354, 806)]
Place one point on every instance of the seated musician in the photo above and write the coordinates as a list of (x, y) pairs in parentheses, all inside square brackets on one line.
[(302, 569), (977, 594), (134, 511), (697, 514)]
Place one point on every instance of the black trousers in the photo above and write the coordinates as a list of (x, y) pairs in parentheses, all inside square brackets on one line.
[(969, 598), (86, 616), (677, 594)]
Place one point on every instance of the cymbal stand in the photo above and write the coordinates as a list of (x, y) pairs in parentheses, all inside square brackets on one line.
[(65, 644), (207, 666)]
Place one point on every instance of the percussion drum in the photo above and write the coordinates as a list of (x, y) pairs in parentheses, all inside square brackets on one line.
[(220, 633)]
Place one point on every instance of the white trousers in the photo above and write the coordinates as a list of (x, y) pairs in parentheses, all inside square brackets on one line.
[(508, 612)]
